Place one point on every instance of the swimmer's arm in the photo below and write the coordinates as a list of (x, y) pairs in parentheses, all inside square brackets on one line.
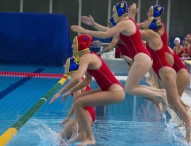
[(127, 59), (72, 108), (120, 27), (75, 80), (110, 46), (100, 27), (89, 20), (83, 83), (71, 112), (144, 34), (132, 11), (140, 25)]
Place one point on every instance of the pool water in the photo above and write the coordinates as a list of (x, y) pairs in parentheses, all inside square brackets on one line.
[(133, 122)]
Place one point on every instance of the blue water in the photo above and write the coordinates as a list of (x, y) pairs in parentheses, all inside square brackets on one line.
[(134, 122)]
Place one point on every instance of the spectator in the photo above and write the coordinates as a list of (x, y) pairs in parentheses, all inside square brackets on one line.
[(189, 38), (186, 48), (178, 48)]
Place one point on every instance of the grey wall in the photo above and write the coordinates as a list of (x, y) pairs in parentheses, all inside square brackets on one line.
[(97, 8), (10, 5), (39, 6), (70, 9), (180, 19)]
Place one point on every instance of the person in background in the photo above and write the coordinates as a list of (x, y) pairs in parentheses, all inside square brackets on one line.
[(186, 47), (188, 36), (178, 48)]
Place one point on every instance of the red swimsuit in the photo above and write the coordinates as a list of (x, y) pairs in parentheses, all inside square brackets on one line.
[(159, 59), (123, 49), (178, 65), (90, 109), (165, 40), (134, 42), (103, 76)]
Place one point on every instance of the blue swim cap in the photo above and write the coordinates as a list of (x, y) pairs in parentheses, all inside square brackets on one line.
[(73, 64), (155, 24), (157, 10), (121, 8), (112, 21)]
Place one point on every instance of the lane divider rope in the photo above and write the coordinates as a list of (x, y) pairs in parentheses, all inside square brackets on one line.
[(10, 132)]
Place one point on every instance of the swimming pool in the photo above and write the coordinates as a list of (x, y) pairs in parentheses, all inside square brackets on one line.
[(133, 122)]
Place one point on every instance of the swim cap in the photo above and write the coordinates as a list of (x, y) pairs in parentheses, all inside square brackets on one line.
[(177, 39), (72, 64), (121, 8), (155, 24), (112, 21), (83, 42), (157, 10)]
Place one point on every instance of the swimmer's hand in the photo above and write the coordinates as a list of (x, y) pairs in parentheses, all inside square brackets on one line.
[(54, 97), (96, 44), (78, 29), (88, 20), (127, 59), (66, 94), (65, 121), (132, 10)]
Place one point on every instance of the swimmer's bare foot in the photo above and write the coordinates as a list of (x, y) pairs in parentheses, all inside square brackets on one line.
[(187, 107), (163, 100), (165, 97), (187, 136), (79, 137), (90, 140), (189, 125), (159, 106), (175, 117)]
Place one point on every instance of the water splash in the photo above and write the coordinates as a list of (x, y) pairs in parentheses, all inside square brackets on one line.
[(46, 135), (176, 133), (112, 132)]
